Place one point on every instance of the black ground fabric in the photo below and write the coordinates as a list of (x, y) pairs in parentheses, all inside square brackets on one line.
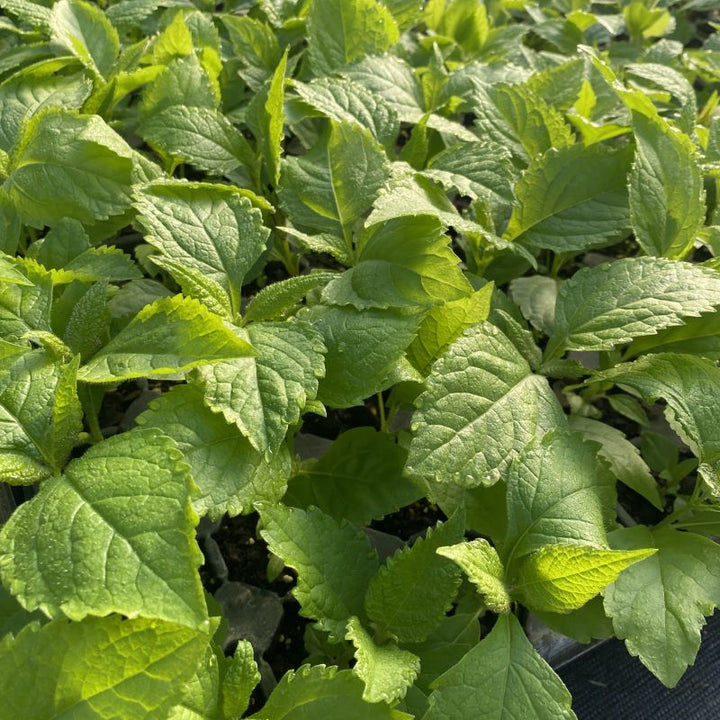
[(606, 683)]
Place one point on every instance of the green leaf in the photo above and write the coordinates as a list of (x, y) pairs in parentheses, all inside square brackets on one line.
[(32, 89), (346, 101), (202, 692), (265, 394), (659, 606), (688, 386), (481, 563), (363, 348), (171, 335), (445, 323), (281, 298), (480, 407), (563, 207), (256, 48), (386, 670), (88, 176), (25, 308), (240, 678), (84, 30), (340, 32), (99, 668), (514, 117), (229, 473), (561, 578), (536, 296), (210, 228), (13, 617), (412, 591), (621, 455), (332, 185), (403, 263), (558, 492), (336, 558), (697, 336), (582, 625), (9, 273), (667, 198), (359, 478), (40, 416), (501, 677), (314, 692), (128, 542), (615, 302), (38, 16)]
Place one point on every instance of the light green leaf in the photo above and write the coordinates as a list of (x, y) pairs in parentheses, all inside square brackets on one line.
[(359, 478), (659, 606), (412, 591), (501, 677), (88, 176), (38, 16), (256, 48), (621, 455), (100, 668), (480, 407), (170, 335), (445, 323), (229, 473), (557, 492), (536, 296), (667, 198), (386, 670), (340, 32), (563, 207), (11, 229), (582, 625), (561, 578), (697, 336), (239, 680), (334, 562), (25, 308), (202, 692), (265, 394), (481, 563), (363, 348), (275, 301), (40, 416), (313, 692), (403, 263), (32, 89), (346, 101), (128, 542), (615, 302), (332, 185), (210, 228), (688, 385), (9, 273), (84, 30)]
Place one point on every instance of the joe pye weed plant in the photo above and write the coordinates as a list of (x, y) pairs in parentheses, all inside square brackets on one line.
[(492, 225)]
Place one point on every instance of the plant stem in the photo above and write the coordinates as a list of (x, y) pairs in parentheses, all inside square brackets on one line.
[(381, 412)]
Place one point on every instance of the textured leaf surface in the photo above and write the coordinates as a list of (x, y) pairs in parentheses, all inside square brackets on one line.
[(386, 670), (402, 263), (169, 336), (210, 228), (281, 298), (315, 692), (481, 406), (659, 606), (25, 308), (334, 562), (115, 533), (360, 477), (557, 492), (689, 386), (362, 350), (621, 455), (563, 207), (501, 677), (85, 31), (229, 473), (341, 32), (87, 176), (415, 587), (481, 563), (667, 198), (265, 394), (100, 668), (40, 416), (615, 302), (445, 323), (561, 578)]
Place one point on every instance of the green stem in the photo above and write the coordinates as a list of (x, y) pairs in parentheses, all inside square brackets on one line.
[(381, 412), (695, 500)]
